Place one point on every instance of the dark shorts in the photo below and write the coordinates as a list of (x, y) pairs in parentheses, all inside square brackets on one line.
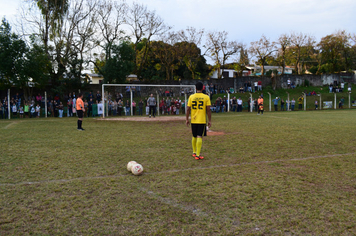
[(80, 114), (198, 130)]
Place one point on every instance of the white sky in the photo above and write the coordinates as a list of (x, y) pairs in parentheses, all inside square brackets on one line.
[(246, 21)]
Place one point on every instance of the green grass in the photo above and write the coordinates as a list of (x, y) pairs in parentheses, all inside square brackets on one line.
[(283, 173)]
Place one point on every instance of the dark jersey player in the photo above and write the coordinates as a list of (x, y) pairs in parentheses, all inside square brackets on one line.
[(199, 106)]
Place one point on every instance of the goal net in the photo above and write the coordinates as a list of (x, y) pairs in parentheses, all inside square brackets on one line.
[(131, 99)]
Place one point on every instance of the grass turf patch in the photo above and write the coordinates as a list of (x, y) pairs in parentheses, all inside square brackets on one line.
[(280, 173)]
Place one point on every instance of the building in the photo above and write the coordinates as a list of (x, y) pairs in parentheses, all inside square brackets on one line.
[(256, 70)]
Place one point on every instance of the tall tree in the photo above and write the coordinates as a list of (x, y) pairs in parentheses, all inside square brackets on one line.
[(284, 43), (220, 49), (144, 25), (120, 64), (262, 49), (21, 65), (190, 53)]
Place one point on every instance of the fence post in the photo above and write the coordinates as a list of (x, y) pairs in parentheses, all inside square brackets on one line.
[(350, 100), (46, 104), (335, 101), (305, 101), (288, 102), (270, 100), (251, 103)]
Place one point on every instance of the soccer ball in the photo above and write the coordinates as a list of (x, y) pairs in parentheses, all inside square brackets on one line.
[(130, 164), (136, 169)]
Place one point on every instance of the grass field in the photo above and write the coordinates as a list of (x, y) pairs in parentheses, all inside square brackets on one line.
[(283, 173)]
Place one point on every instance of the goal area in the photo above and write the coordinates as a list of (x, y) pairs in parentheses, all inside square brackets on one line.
[(127, 93)]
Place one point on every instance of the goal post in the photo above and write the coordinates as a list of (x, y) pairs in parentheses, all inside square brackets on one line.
[(104, 100)]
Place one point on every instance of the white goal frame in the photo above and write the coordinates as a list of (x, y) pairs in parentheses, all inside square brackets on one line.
[(143, 85)]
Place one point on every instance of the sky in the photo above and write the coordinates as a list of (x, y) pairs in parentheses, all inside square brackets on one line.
[(245, 20)]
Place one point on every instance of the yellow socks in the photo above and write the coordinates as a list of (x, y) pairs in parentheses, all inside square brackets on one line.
[(194, 144), (198, 145)]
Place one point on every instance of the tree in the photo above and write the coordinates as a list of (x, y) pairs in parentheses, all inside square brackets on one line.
[(144, 25), (119, 65), (21, 65), (284, 42), (190, 53), (220, 49), (262, 49)]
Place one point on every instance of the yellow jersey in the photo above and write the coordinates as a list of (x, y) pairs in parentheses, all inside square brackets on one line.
[(198, 103)]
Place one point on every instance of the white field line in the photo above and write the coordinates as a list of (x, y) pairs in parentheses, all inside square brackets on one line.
[(173, 171), (12, 123)]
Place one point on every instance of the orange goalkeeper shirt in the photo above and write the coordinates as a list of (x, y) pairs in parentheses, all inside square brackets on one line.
[(79, 104)]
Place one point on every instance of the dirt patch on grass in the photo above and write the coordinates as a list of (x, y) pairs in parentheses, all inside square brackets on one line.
[(215, 133), (146, 118)]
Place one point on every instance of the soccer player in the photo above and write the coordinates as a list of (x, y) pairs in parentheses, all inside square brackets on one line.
[(80, 111), (198, 105)]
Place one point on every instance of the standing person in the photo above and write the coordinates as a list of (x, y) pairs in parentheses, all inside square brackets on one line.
[(60, 110), (316, 104), (80, 111), (127, 108), (275, 102), (38, 110), (1, 112), (90, 107), (282, 105), (120, 104), (140, 107), (292, 104), (199, 105), (151, 102), (260, 105), (239, 104), (300, 102)]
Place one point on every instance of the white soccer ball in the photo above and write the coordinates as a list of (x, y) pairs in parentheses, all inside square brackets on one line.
[(137, 169), (130, 164)]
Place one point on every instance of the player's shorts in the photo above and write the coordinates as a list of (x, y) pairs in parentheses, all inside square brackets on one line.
[(198, 129), (80, 113)]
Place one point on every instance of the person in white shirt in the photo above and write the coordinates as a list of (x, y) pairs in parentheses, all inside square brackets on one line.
[(239, 105)]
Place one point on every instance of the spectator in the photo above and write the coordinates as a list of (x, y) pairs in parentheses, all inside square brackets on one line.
[(275, 102), (282, 105), (300, 102), (292, 104), (14, 110), (218, 104), (60, 110), (342, 102), (259, 84), (33, 112), (120, 105), (1, 110), (90, 96), (114, 107), (249, 87), (177, 105), (70, 107), (127, 108), (288, 83), (140, 107), (133, 107), (316, 104), (86, 105), (260, 105), (239, 104), (90, 107), (38, 110), (21, 111), (98, 96), (234, 104), (38, 98), (255, 85)]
